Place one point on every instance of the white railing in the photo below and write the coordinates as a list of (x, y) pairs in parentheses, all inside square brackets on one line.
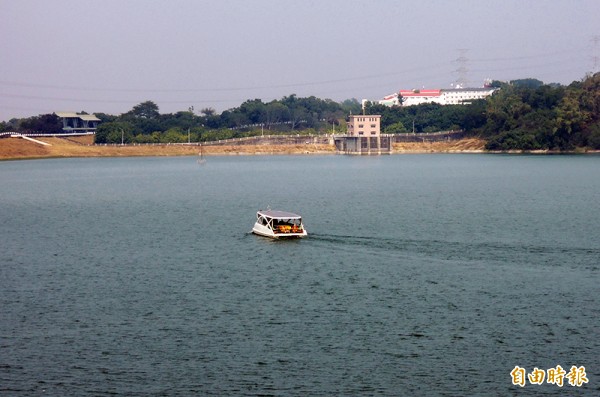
[(39, 134)]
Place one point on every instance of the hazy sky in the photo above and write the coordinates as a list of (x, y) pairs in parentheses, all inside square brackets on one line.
[(109, 55)]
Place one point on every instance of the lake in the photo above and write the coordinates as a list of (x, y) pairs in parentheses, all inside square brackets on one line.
[(430, 274)]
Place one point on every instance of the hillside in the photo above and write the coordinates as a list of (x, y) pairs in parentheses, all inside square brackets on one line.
[(465, 145)]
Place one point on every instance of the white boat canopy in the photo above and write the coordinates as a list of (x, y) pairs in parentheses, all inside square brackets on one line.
[(279, 214)]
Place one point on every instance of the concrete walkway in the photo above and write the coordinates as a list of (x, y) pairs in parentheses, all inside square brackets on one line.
[(34, 140)]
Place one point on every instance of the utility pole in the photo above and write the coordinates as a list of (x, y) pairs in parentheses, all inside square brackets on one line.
[(122, 136), (595, 58), (462, 69)]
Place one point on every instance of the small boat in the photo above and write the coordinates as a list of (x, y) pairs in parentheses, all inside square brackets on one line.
[(279, 224)]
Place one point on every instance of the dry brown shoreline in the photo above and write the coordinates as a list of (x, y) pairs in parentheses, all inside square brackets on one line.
[(18, 148)]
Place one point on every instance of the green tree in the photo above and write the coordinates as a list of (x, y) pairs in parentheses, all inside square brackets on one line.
[(114, 132), (527, 83), (593, 137), (401, 99), (183, 120), (144, 118), (44, 123), (395, 128), (254, 111), (145, 110), (570, 119), (174, 135), (591, 100), (208, 112), (105, 118), (351, 106), (275, 112)]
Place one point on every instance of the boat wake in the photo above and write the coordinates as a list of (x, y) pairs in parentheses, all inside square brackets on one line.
[(463, 250)]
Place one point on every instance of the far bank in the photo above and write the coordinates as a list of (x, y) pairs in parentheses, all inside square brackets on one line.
[(18, 148)]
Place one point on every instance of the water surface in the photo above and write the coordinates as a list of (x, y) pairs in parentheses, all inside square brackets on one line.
[(422, 275)]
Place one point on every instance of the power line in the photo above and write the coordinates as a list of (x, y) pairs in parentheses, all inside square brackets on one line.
[(48, 98), (223, 89), (525, 57), (522, 67), (462, 71)]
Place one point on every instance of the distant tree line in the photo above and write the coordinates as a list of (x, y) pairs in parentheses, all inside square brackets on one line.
[(44, 123), (544, 116), (429, 117), (523, 114), (144, 123)]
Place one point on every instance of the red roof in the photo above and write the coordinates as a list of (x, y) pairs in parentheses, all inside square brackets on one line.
[(417, 93)]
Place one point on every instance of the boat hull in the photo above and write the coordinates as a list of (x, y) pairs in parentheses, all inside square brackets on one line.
[(267, 232)]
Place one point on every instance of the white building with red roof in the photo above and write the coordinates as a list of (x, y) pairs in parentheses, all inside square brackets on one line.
[(453, 96)]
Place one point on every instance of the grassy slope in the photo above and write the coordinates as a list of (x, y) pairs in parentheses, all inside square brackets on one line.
[(17, 148)]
